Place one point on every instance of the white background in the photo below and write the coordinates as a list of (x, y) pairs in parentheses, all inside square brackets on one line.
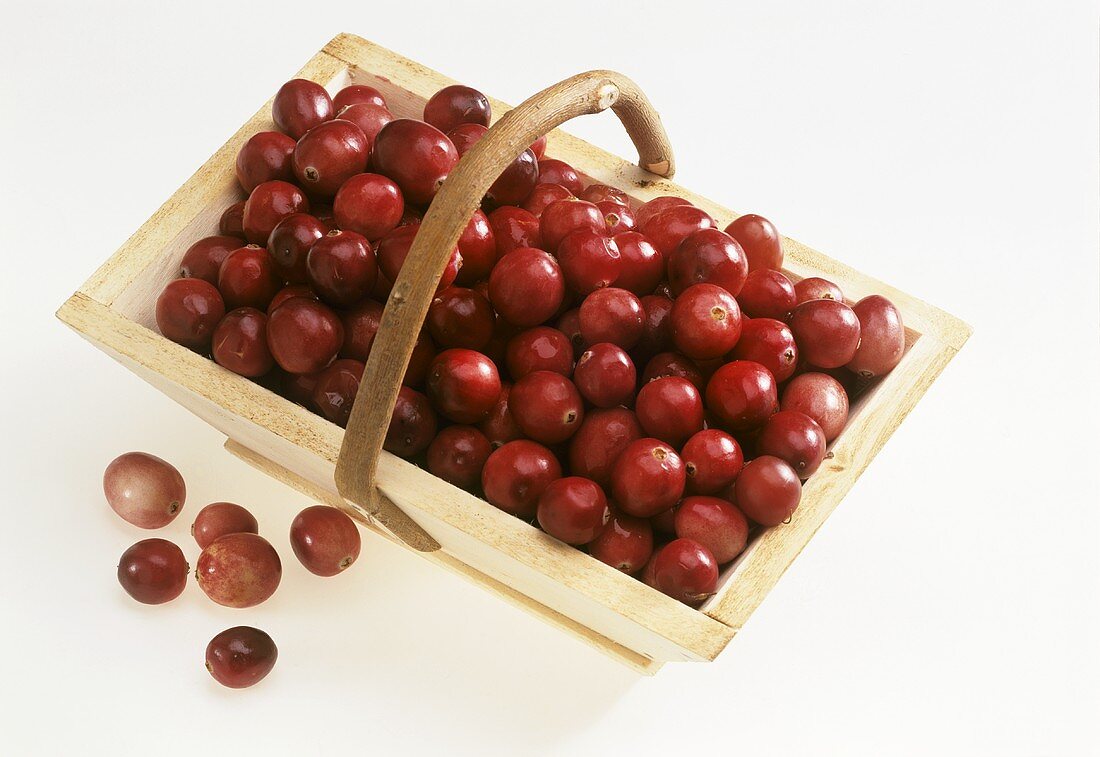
[(950, 606)]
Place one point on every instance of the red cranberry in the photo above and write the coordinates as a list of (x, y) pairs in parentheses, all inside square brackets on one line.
[(589, 261), (685, 570), (570, 324), (341, 267), (268, 204), (457, 104), (325, 540), (663, 523), (500, 425), (770, 343), (335, 389), (562, 217), (298, 387), (204, 258), (601, 439), (328, 155), (619, 218), (827, 332), (394, 247), (360, 325), (767, 294), (465, 136), (822, 398), (712, 460), (768, 490), (705, 322), (153, 571), (539, 349), (547, 406), (674, 364), (460, 317), (714, 523), (516, 475), (300, 105), (539, 147), (265, 157), (239, 570), (188, 311), (656, 206), (642, 267), (708, 256), (458, 455), (221, 518), (559, 172), (596, 193), (240, 657), (370, 119), (516, 182), (289, 244), (657, 332), (231, 222), (304, 335), (144, 490), (815, 288), (573, 509), (353, 94), (542, 195), (742, 395), (606, 376), (412, 424), (288, 292), (423, 355), (368, 204), (625, 544), (670, 227), (463, 385), (795, 438), (882, 337), (526, 287), (670, 409), (416, 155), (478, 248), (612, 315), (760, 241), (248, 278), (240, 343), (647, 478), (514, 228)]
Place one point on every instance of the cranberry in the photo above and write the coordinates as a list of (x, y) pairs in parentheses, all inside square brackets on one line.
[(767, 294), (457, 104), (335, 389), (412, 424), (460, 317), (465, 136), (393, 249), (204, 258), (882, 337), (221, 518), (599, 442), (768, 490), (712, 460), (458, 455), (514, 228), (239, 570), (795, 438), (559, 172), (815, 288), (144, 490), (416, 155), (822, 398), (325, 540), (612, 315), (420, 361), (360, 325), (670, 409), (353, 94), (248, 278), (563, 217), (673, 364), (760, 241), (478, 248), (463, 385), (705, 322), (647, 478), (606, 375), (827, 332), (547, 406), (341, 267), (596, 193), (516, 182), (685, 570), (542, 195), (625, 544), (742, 395), (188, 311), (708, 256), (304, 335), (671, 226), (664, 523), (539, 349), (298, 387), (500, 425), (619, 218), (240, 657), (569, 323), (770, 343), (573, 509), (268, 204), (264, 157), (516, 475), (657, 331), (369, 204), (231, 222), (300, 105), (289, 244), (642, 267), (328, 155), (153, 571), (240, 343), (526, 287), (370, 119), (589, 261), (714, 523), (656, 206), (539, 147)]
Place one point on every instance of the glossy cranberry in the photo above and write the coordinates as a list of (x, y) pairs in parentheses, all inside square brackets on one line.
[(188, 311), (265, 157), (416, 155), (304, 335), (423, 355), (300, 105), (516, 182), (670, 409), (882, 337), (642, 267), (596, 193), (516, 475), (770, 343), (240, 343), (547, 407), (248, 278), (353, 94), (815, 288), (712, 460), (569, 323), (239, 570), (465, 136), (601, 439), (648, 478), (335, 389), (674, 364), (221, 518), (412, 424), (204, 258), (685, 570), (478, 248), (514, 228), (619, 218), (539, 147), (705, 322), (500, 425), (559, 172), (657, 331), (606, 376), (360, 325), (625, 543), (822, 398), (589, 261), (463, 385), (144, 490), (767, 294), (656, 206), (240, 657), (562, 217), (542, 195), (671, 226), (526, 287), (742, 394), (713, 523), (664, 524), (768, 490), (370, 119), (231, 222), (153, 571), (460, 317), (827, 332), (328, 155), (708, 256), (539, 349), (573, 509), (458, 454), (760, 241), (268, 204), (612, 315), (457, 104), (341, 267), (288, 292), (393, 249), (369, 204), (325, 540), (796, 439), (289, 243)]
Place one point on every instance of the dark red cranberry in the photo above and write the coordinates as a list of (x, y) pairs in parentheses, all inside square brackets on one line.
[(539, 349), (770, 343), (795, 438), (547, 406), (526, 287), (605, 375), (601, 439), (674, 364), (648, 478), (153, 571), (542, 195), (353, 94), (265, 157), (712, 460), (188, 311), (619, 218), (369, 118), (304, 335), (341, 267), (500, 425), (334, 392), (714, 523), (642, 267), (742, 395), (465, 136), (589, 261), (416, 155), (670, 409), (760, 241), (463, 385), (299, 106), (685, 570), (231, 222), (562, 217), (596, 193), (460, 317), (268, 204), (368, 204), (360, 326), (559, 172), (612, 315), (705, 322), (573, 509), (657, 331), (240, 657), (248, 278), (656, 206), (826, 331), (821, 397), (412, 424), (625, 543), (516, 475), (423, 355), (670, 227), (516, 182), (204, 258), (457, 104), (221, 518), (288, 292), (514, 228), (767, 294), (881, 337), (240, 343), (768, 490), (815, 288), (708, 256), (458, 454), (663, 523), (478, 248), (289, 244), (394, 247), (569, 323), (325, 540), (328, 155)]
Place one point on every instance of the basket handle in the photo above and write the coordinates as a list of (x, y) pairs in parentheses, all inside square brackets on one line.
[(443, 224)]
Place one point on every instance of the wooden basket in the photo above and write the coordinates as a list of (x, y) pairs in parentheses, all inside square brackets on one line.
[(615, 613)]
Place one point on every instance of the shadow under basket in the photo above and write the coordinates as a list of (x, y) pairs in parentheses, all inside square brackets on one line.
[(613, 612)]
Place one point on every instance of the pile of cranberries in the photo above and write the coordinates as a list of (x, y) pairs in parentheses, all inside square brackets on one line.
[(639, 382)]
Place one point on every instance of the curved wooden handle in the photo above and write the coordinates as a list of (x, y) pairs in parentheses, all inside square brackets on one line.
[(443, 224)]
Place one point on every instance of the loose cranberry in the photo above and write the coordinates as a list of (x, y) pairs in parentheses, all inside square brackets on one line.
[(712, 460), (705, 322), (144, 490), (539, 349), (768, 490), (589, 261), (240, 343), (815, 288), (460, 317), (516, 182), (335, 390), (882, 337), (416, 155), (670, 227), (265, 157), (268, 204), (542, 195), (204, 258), (369, 204), (463, 385), (562, 217), (304, 335), (221, 518), (360, 326), (714, 523), (569, 323), (328, 155), (708, 256), (547, 406), (827, 332), (625, 544), (370, 119), (573, 509), (240, 657), (539, 147), (289, 243), (822, 398), (606, 376), (596, 193), (657, 331), (612, 315), (478, 248), (516, 475), (500, 425), (559, 172), (325, 540), (341, 267), (248, 278), (300, 105), (393, 249), (353, 94), (685, 570), (412, 424), (239, 570), (760, 241), (526, 287), (231, 222), (795, 438), (742, 394), (457, 104), (770, 343), (601, 439), (153, 571), (670, 409), (767, 294), (288, 292), (647, 478), (514, 228), (188, 311), (420, 362), (674, 364), (458, 455)]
